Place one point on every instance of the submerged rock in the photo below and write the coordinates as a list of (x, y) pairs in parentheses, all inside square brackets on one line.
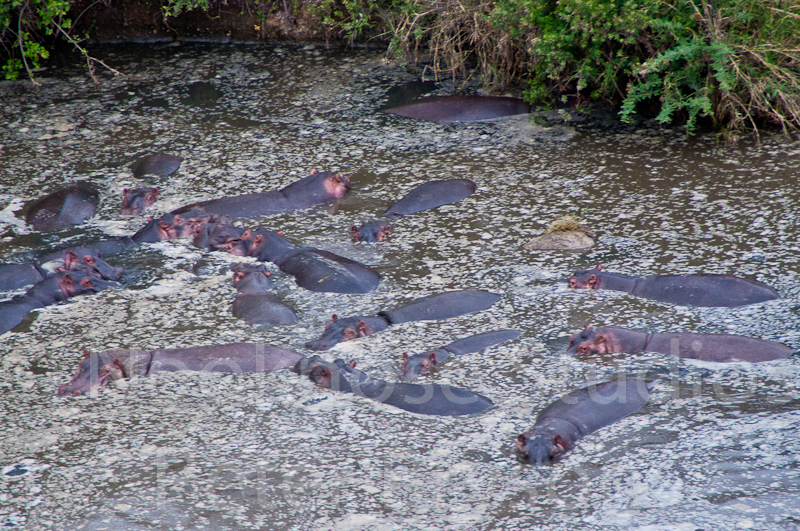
[(574, 240)]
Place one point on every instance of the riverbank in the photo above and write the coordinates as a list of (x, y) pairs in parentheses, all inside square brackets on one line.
[(141, 21), (732, 65)]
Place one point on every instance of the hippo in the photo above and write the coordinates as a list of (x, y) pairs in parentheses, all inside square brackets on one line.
[(706, 347), (418, 364), (696, 290), (317, 188), (313, 269), (160, 164), (255, 304), (97, 370), (448, 109), (433, 307), (54, 289), (170, 226), (135, 201), (69, 206), (15, 276), (429, 399), (577, 414), (428, 195)]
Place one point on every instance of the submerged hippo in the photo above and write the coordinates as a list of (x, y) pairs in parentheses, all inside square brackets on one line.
[(419, 364), (577, 414), (429, 399), (317, 188), (696, 290), (313, 269), (97, 370), (137, 200), (447, 109), (706, 347), (51, 290), (15, 276), (255, 304), (428, 195), (160, 164), (438, 306), (69, 206)]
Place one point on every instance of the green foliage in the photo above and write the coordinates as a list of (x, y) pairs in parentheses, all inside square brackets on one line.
[(23, 24), (173, 8), (352, 18), (734, 61)]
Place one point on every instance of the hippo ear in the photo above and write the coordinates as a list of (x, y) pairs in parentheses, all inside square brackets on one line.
[(352, 364), (314, 171), (325, 372), (356, 234), (334, 317), (362, 328), (405, 362), (280, 233), (70, 258), (433, 358), (522, 439), (599, 267), (86, 353), (559, 445)]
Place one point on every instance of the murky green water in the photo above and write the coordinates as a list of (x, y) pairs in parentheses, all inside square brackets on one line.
[(716, 447)]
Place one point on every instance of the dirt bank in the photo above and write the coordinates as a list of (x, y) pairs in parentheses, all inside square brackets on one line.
[(233, 20)]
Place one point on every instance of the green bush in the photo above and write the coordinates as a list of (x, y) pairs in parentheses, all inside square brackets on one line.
[(24, 24)]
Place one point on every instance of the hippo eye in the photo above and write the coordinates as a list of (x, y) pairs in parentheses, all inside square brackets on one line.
[(583, 349), (89, 260), (573, 282)]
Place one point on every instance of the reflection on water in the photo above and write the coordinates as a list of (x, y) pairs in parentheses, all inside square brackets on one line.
[(715, 448)]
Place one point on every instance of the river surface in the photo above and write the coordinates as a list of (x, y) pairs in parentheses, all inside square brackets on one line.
[(716, 447)]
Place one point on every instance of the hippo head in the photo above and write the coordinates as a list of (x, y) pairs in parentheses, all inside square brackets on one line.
[(267, 245), (540, 448), (416, 365), (590, 341), (82, 259), (80, 282), (156, 230), (586, 278), (374, 231), (250, 277), (336, 185), (94, 370), (324, 373), (339, 330), (136, 201), (190, 222)]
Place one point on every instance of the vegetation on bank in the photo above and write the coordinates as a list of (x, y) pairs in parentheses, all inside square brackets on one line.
[(734, 63)]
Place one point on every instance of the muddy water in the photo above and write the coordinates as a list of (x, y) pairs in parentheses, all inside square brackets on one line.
[(715, 448)]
